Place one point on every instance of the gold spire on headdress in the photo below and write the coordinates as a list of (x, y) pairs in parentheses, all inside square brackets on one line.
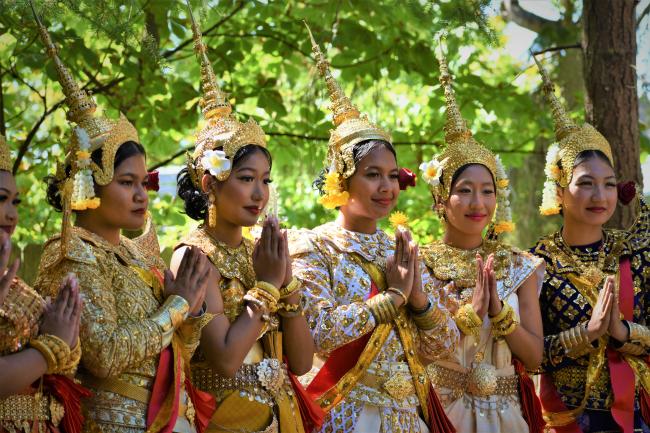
[(572, 139), (462, 148), (350, 126), (222, 130), (5, 155), (102, 132)]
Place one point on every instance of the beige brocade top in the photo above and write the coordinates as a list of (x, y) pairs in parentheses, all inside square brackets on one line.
[(121, 334)]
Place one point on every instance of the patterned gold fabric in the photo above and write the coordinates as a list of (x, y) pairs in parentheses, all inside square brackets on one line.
[(125, 324), (336, 287), (452, 376), (564, 307)]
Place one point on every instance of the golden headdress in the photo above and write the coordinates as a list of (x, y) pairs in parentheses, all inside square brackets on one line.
[(90, 133), (222, 130), (350, 128), (571, 141), (5, 155), (462, 149)]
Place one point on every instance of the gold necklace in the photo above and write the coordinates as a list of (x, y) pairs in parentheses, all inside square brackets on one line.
[(593, 271), (448, 263), (233, 262)]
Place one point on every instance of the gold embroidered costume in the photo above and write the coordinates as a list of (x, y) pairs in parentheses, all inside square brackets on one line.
[(331, 264), (125, 325), (471, 405)]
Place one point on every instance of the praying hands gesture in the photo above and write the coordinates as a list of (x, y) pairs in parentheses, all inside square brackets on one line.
[(485, 298), (601, 314), (402, 267)]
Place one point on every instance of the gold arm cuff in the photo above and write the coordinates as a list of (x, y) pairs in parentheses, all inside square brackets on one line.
[(382, 308), (268, 288), (639, 334), (71, 364), (263, 299), (505, 322), (468, 321), (290, 288), (399, 293), (632, 349), (575, 341), (170, 315), (430, 319), (55, 351)]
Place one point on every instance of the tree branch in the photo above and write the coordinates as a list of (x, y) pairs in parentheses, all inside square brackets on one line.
[(168, 53), (512, 11), (642, 15), (558, 48)]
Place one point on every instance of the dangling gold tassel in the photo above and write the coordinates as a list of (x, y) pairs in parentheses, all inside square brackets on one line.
[(212, 210)]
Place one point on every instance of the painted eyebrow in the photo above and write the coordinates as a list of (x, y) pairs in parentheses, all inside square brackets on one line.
[(5, 189), (244, 168), (376, 167), (463, 181), (588, 176), (132, 176)]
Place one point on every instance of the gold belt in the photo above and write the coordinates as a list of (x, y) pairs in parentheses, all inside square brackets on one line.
[(458, 381), (33, 407), (394, 378)]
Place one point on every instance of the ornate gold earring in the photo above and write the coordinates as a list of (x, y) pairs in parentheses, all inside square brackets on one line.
[(212, 210)]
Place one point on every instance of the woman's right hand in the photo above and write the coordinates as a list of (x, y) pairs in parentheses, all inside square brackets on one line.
[(481, 295), (400, 267), (6, 275), (600, 315), (191, 279), (270, 255), (62, 317)]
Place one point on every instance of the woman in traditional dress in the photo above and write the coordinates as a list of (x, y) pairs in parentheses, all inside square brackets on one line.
[(138, 327), (594, 301), (493, 291), (371, 319), (254, 303), (39, 344)]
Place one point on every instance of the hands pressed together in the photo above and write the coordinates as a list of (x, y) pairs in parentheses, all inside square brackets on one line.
[(403, 272)]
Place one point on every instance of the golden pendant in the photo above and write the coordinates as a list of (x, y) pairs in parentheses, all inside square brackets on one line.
[(482, 380)]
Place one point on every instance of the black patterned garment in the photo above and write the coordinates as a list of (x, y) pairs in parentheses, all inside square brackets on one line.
[(564, 307)]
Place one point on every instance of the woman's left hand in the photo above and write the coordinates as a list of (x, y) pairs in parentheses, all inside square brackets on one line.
[(418, 299), (617, 328), (495, 304)]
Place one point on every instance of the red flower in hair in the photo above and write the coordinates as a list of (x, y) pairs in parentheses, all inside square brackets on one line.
[(153, 183), (406, 178), (626, 192)]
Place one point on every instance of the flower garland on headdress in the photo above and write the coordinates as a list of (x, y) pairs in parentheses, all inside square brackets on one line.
[(350, 128), (462, 149), (571, 141)]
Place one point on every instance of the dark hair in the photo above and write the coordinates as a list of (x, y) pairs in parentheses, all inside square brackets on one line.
[(586, 155), (460, 171), (359, 151), (125, 151), (196, 201)]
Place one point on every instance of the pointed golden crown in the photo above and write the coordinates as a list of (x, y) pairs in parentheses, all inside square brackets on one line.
[(462, 149), (5, 155), (571, 138), (350, 126), (222, 130), (104, 133)]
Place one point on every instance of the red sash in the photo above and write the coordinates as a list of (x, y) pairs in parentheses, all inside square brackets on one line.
[(310, 412), (162, 411), (621, 374), (340, 361)]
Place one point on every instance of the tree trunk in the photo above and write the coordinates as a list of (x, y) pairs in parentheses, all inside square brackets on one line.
[(611, 101)]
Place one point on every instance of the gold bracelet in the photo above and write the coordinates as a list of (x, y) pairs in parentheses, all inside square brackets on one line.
[(468, 321), (290, 314), (268, 288), (505, 322), (290, 288), (399, 293), (428, 320), (262, 299), (55, 351), (288, 307), (382, 308)]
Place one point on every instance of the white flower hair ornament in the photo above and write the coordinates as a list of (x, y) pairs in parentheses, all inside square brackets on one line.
[(83, 187), (503, 217), (215, 162), (432, 171), (550, 204)]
